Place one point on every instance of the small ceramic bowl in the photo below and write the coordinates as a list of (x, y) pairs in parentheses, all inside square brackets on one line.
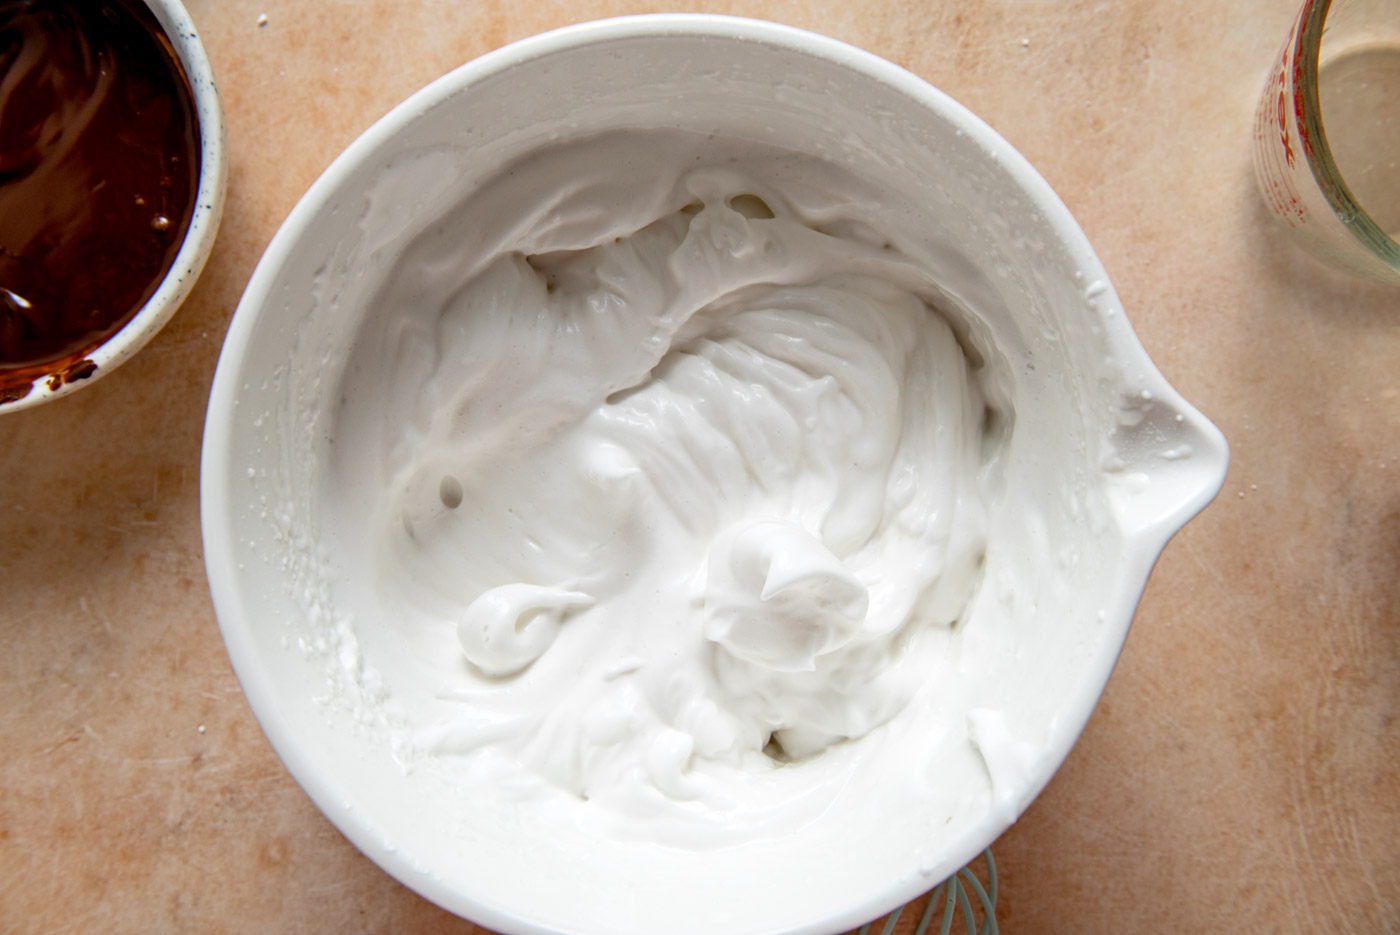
[(1103, 463), (189, 261)]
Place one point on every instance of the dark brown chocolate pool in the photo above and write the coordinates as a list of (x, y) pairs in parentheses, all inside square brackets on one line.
[(99, 165)]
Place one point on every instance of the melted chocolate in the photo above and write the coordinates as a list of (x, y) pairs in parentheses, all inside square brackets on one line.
[(99, 164)]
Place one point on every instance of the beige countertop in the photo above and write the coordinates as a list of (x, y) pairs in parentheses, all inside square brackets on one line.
[(1242, 773)]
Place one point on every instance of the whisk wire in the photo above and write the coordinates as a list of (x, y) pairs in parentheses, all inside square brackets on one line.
[(948, 903), (893, 921), (953, 895), (929, 910), (966, 908), (989, 919)]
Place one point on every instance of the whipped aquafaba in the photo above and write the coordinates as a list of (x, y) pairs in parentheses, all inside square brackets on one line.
[(662, 475)]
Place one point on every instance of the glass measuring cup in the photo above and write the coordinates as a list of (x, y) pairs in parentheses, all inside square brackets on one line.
[(1327, 134)]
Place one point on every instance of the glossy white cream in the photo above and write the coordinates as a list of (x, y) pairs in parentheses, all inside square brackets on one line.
[(691, 468)]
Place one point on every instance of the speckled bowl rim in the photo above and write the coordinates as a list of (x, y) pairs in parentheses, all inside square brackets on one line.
[(199, 237)]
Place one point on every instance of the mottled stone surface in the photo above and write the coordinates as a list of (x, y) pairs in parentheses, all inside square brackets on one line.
[(1243, 771)]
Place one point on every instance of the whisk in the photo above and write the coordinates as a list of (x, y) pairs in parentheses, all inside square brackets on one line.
[(953, 894)]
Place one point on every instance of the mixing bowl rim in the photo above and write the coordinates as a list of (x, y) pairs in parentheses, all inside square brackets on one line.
[(217, 472)]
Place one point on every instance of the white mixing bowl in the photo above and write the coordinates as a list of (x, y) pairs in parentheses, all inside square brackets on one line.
[(1103, 463)]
